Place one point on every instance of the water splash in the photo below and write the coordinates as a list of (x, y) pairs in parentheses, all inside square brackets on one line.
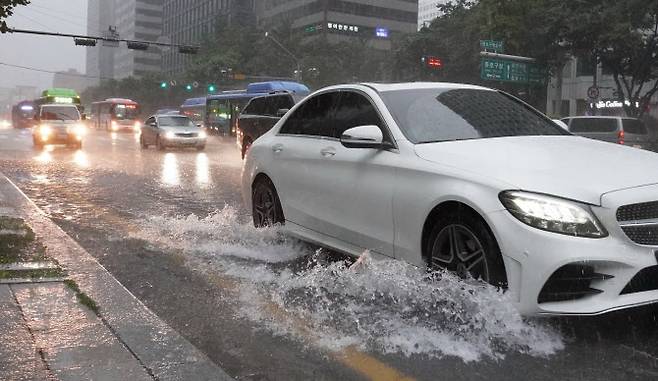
[(384, 306)]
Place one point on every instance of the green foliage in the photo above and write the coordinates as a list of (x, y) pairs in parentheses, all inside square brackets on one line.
[(6, 10)]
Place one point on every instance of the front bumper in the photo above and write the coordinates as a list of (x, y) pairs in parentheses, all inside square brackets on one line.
[(531, 256), (58, 138), (184, 142)]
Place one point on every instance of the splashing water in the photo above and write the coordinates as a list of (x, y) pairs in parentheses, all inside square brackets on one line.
[(386, 306)]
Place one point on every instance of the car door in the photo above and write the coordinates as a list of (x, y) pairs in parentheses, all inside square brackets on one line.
[(340, 192), (149, 131), (296, 157), (359, 210)]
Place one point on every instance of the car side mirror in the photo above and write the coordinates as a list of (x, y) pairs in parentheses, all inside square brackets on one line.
[(363, 137), (200, 125), (281, 112)]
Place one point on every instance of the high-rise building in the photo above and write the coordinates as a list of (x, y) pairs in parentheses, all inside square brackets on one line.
[(100, 59), (375, 22), (70, 79), (427, 11), (138, 20), (187, 22)]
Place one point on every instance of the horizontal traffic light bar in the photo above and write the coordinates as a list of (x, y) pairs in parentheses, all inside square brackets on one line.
[(132, 44)]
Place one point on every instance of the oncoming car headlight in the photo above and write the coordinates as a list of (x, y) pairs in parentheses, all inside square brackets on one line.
[(45, 131), (79, 130), (553, 214), (170, 135)]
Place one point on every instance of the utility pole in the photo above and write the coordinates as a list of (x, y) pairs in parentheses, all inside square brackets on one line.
[(298, 72)]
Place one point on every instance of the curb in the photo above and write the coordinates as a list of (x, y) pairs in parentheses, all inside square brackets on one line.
[(163, 352)]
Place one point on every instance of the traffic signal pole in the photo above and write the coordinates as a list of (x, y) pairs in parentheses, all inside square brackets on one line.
[(133, 44)]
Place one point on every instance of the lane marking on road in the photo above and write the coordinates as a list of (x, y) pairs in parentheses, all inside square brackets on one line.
[(360, 362)]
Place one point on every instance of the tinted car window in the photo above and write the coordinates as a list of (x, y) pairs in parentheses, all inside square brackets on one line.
[(276, 103), (435, 115), (354, 110), (59, 113), (174, 121), (255, 107), (593, 125), (313, 118), (634, 126)]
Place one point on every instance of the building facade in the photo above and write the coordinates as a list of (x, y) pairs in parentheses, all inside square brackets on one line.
[(428, 11), (100, 59), (375, 22), (187, 22), (138, 20), (71, 79)]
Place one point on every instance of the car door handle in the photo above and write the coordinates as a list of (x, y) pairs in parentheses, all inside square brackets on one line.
[(278, 148), (328, 152)]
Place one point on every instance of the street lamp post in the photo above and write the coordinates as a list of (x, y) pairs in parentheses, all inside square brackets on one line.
[(298, 72)]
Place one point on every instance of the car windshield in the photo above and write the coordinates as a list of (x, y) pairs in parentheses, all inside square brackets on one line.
[(59, 113), (175, 121), (437, 115), (586, 125)]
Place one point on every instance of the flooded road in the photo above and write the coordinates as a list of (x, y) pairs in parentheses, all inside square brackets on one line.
[(171, 227)]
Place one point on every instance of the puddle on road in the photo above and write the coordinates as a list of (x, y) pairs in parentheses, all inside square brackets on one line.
[(383, 306)]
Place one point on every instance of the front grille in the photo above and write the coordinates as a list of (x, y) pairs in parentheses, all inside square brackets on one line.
[(645, 280), (187, 134), (571, 282), (637, 212), (640, 222)]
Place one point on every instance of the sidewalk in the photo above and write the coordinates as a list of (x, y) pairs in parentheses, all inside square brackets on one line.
[(64, 317)]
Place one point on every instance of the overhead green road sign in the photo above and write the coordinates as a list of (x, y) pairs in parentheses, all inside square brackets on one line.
[(492, 45), (496, 69)]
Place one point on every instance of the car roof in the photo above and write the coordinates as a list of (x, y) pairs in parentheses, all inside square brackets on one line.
[(599, 117), (383, 87)]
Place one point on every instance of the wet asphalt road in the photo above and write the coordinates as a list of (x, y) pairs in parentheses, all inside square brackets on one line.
[(103, 193)]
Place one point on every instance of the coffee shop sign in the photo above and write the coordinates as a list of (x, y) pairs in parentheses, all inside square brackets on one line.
[(614, 104)]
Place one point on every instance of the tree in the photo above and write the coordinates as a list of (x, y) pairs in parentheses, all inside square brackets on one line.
[(625, 43), (6, 10)]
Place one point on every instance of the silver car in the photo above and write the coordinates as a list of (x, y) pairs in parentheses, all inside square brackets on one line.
[(165, 131), (613, 129)]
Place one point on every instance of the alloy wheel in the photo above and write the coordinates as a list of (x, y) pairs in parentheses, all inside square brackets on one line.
[(457, 248), (265, 206)]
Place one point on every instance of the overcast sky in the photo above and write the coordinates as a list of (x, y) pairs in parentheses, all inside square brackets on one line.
[(42, 52)]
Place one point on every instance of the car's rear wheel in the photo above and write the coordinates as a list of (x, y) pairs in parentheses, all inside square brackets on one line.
[(265, 205), (460, 241)]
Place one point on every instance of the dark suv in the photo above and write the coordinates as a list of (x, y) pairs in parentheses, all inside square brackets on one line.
[(260, 115)]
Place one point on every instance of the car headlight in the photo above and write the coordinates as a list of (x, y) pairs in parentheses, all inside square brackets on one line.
[(79, 130), (202, 135), (553, 214), (114, 126), (170, 135), (45, 131)]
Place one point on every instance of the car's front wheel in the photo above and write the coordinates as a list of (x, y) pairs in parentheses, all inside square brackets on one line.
[(265, 205), (460, 241)]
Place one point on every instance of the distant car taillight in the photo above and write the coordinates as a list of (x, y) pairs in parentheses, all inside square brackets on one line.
[(620, 137)]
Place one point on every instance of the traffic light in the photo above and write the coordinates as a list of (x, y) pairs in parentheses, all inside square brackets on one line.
[(211, 88), (84, 41), (136, 45), (164, 85), (188, 87), (432, 62)]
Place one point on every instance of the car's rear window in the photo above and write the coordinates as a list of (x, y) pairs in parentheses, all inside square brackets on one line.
[(586, 125), (634, 126)]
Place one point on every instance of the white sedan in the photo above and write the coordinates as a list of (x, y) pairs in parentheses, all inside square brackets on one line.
[(468, 179)]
